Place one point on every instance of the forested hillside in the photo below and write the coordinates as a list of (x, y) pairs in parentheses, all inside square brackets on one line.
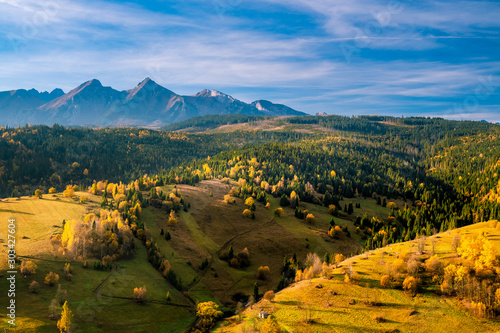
[(245, 203), (41, 156), (445, 171)]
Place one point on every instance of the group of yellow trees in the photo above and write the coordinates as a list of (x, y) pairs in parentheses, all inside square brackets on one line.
[(107, 237), (315, 268), (472, 276)]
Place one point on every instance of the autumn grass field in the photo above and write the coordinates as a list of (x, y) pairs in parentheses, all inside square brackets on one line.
[(333, 305), (36, 221), (102, 300)]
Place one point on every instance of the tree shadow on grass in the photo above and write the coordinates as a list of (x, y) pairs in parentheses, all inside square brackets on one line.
[(292, 303), (14, 212)]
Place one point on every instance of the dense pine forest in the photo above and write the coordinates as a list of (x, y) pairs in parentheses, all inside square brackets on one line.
[(445, 171)]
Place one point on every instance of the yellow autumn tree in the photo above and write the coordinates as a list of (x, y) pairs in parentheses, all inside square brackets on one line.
[(279, 212), (339, 258), (207, 312), (311, 219), (172, 219), (479, 250), (385, 281), (66, 322), (249, 201), (270, 325), (247, 213), (69, 192), (410, 284)]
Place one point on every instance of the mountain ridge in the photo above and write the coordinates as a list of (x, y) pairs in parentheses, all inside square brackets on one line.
[(147, 104)]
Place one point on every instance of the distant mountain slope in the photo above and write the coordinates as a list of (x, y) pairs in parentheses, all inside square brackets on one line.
[(148, 104), (17, 104)]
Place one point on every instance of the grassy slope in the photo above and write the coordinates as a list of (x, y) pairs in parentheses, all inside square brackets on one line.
[(209, 227), (35, 219), (343, 307)]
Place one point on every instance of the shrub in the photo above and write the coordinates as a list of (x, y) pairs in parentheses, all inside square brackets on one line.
[(61, 295), (52, 190), (247, 213), (398, 266), (34, 286), (332, 209), (172, 219), (339, 258), (271, 325), (229, 199), (410, 284), (244, 257), (69, 192), (412, 267), (434, 265), (311, 219), (28, 268), (269, 295), (235, 263), (39, 194), (140, 294), (51, 279), (385, 281), (263, 272), (279, 212)]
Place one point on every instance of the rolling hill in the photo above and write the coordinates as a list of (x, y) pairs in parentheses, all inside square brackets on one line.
[(329, 303), (207, 230)]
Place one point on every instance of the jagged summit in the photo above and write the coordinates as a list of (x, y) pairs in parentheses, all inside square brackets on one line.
[(147, 104)]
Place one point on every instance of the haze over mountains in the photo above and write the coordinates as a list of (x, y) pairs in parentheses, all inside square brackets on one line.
[(148, 104)]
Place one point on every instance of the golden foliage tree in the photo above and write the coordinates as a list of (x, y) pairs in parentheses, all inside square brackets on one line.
[(51, 279), (207, 312), (479, 250), (247, 213), (263, 272), (311, 219), (249, 201), (385, 281), (28, 267), (69, 192), (172, 219), (269, 295), (410, 284), (66, 322), (140, 294), (270, 325), (339, 258), (279, 212)]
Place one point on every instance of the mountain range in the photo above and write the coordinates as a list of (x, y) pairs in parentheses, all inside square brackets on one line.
[(148, 104)]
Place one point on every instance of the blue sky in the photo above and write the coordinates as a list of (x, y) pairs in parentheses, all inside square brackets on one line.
[(390, 57)]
